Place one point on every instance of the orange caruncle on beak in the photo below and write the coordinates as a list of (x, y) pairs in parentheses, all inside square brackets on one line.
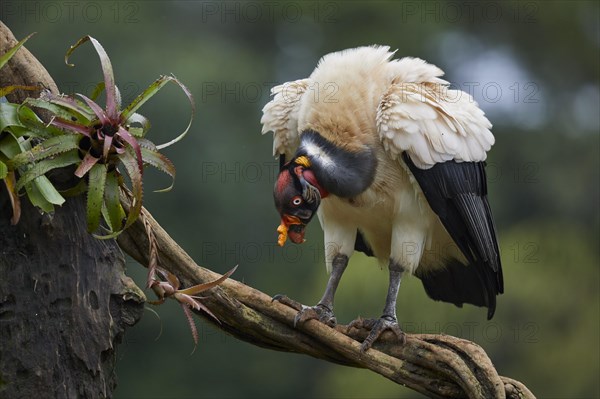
[(282, 229)]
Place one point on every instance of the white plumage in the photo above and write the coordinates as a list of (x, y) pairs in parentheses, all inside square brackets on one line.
[(417, 112), (411, 109), (436, 224)]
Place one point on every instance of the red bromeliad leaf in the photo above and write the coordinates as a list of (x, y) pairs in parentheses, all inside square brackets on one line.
[(107, 70), (129, 139), (194, 304), (190, 319), (196, 289), (157, 302), (86, 164), (203, 308), (70, 126), (69, 105), (106, 146), (153, 255), (102, 116), (162, 289), (171, 278), (145, 143)]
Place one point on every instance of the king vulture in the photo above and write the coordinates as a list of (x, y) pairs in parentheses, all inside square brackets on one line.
[(391, 160)]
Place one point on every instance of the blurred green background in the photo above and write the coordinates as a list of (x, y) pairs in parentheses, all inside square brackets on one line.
[(532, 66)]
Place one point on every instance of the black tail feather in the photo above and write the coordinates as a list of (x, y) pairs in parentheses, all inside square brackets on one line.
[(458, 283)]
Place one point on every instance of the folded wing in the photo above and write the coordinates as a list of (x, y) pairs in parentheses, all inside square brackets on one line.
[(280, 116), (430, 121), (442, 137)]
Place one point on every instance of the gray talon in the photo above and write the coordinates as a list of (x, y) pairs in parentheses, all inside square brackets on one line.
[(284, 299), (377, 327), (318, 312)]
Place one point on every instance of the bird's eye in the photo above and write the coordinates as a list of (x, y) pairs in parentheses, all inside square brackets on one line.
[(296, 201)]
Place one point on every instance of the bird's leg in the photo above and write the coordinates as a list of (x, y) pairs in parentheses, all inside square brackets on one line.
[(323, 311), (388, 320)]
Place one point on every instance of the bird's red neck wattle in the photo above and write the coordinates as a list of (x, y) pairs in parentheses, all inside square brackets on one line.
[(312, 179)]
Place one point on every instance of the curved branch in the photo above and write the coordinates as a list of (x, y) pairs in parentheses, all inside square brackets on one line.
[(439, 366)]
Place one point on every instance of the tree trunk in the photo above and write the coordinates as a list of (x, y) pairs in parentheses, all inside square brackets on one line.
[(64, 298)]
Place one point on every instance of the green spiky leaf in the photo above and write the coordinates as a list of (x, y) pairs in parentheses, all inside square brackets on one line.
[(160, 162), (65, 107), (10, 53), (48, 148), (3, 170), (37, 198), (97, 91), (114, 213), (9, 146), (9, 115), (138, 125), (46, 165), (78, 189), (34, 126), (131, 165), (43, 194), (149, 93), (95, 196), (48, 191)]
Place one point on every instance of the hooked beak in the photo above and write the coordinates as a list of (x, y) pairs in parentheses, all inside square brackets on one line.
[(292, 226)]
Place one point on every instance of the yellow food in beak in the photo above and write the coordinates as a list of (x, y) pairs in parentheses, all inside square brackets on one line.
[(282, 229)]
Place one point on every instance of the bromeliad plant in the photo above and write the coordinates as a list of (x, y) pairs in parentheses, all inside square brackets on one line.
[(102, 144)]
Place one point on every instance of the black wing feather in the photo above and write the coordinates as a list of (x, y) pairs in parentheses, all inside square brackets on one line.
[(457, 193)]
